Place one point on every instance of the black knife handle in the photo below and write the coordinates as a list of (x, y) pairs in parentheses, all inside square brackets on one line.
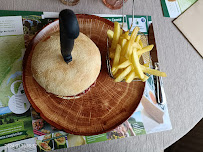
[(66, 49), (69, 30)]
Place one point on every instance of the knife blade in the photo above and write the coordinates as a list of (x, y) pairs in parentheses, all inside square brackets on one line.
[(154, 58), (151, 39)]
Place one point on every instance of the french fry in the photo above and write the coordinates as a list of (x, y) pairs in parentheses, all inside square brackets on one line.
[(128, 48), (153, 71), (147, 64), (133, 49), (122, 43), (139, 56), (122, 59), (111, 55), (127, 32), (145, 78), (120, 40), (110, 34), (118, 72), (116, 35), (136, 77), (145, 49), (130, 77), (126, 35), (136, 64), (115, 71), (134, 34), (141, 44), (137, 45), (137, 39), (123, 74), (111, 50), (121, 32), (124, 64), (125, 53), (116, 57)]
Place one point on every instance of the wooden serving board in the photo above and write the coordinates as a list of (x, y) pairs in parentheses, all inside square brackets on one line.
[(103, 108)]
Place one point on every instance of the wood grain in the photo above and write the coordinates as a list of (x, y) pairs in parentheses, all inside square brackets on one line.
[(104, 107)]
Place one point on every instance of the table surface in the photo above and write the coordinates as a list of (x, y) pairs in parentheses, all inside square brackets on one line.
[(182, 63)]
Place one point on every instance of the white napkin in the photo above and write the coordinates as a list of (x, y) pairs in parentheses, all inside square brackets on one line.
[(190, 23)]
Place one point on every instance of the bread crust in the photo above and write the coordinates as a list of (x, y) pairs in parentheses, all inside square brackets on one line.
[(56, 76)]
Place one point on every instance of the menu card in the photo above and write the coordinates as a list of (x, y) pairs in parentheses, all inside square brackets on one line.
[(173, 8), (148, 118), (15, 115)]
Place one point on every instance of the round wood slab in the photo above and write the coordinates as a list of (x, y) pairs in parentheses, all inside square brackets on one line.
[(104, 107)]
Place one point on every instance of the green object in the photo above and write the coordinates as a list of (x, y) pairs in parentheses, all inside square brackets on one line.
[(96, 138), (16, 86), (185, 4), (46, 139), (42, 146), (20, 129), (116, 19), (18, 13), (59, 142), (10, 65), (136, 21), (15, 134), (165, 10), (11, 128), (25, 105), (10, 52), (181, 4), (149, 19), (138, 128)]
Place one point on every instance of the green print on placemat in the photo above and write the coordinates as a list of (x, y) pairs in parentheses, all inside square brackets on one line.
[(140, 21), (11, 128), (116, 19), (96, 138), (136, 122), (10, 123), (59, 142), (33, 17), (42, 146), (165, 10), (12, 48), (48, 141), (184, 4), (149, 19), (138, 127), (15, 134), (18, 13)]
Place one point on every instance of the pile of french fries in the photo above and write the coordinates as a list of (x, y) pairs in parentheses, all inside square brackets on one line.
[(125, 53)]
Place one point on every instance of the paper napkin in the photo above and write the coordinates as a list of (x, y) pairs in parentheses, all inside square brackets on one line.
[(190, 23)]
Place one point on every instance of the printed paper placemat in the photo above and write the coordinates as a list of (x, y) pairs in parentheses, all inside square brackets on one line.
[(148, 118)]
